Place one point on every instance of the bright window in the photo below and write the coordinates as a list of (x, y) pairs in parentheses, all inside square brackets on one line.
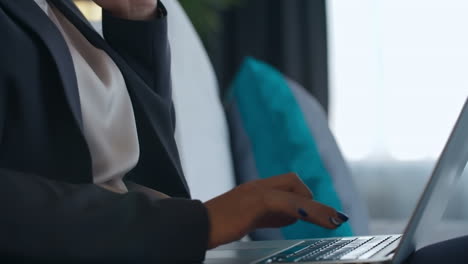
[(399, 75)]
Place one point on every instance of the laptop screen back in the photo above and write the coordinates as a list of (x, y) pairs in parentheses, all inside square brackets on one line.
[(436, 195)]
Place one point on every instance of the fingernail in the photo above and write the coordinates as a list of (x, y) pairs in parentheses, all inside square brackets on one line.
[(302, 212), (335, 221), (342, 216)]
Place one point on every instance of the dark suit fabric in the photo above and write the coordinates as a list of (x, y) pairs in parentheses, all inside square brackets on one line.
[(449, 251), (50, 208)]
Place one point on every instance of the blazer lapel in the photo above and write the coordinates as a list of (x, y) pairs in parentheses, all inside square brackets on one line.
[(37, 21), (139, 92), (34, 18)]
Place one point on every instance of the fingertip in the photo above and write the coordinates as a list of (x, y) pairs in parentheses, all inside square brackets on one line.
[(330, 223), (338, 219), (334, 221), (342, 216)]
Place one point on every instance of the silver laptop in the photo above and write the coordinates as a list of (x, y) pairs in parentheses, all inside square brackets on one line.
[(369, 249)]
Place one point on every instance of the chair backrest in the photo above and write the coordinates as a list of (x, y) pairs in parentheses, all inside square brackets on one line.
[(278, 127), (333, 159), (201, 131)]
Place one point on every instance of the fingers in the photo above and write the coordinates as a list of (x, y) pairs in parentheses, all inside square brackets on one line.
[(305, 209), (266, 203), (289, 182)]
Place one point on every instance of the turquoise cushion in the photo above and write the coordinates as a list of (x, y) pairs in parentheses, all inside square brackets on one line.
[(280, 139)]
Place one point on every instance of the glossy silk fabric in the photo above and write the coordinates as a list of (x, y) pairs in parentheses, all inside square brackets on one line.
[(108, 118)]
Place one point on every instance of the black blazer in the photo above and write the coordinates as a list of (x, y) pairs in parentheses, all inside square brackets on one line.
[(49, 207)]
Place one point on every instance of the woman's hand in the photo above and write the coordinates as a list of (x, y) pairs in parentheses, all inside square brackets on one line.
[(130, 9), (272, 202)]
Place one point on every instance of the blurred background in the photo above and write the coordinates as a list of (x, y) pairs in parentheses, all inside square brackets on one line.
[(391, 74)]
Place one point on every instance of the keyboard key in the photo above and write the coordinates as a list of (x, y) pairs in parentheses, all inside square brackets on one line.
[(333, 249), (301, 249), (378, 248), (355, 254), (323, 252)]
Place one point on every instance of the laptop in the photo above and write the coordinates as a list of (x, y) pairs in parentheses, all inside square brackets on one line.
[(366, 249)]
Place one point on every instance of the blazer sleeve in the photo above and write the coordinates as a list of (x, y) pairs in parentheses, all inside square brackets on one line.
[(54, 221), (144, 45), (48, 220)]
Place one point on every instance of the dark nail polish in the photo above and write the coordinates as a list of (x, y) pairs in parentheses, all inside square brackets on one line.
[(335, 221), (342, 216), (302, 212)]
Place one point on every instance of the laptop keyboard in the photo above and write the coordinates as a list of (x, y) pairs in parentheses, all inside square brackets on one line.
[(332, 249)]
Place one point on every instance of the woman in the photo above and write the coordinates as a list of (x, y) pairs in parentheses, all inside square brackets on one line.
[(88, 161)]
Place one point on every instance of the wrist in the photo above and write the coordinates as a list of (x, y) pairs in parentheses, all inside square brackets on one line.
[(135, 14), (141, 10)]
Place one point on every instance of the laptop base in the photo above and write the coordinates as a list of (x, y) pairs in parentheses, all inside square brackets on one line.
[(261, 251)]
